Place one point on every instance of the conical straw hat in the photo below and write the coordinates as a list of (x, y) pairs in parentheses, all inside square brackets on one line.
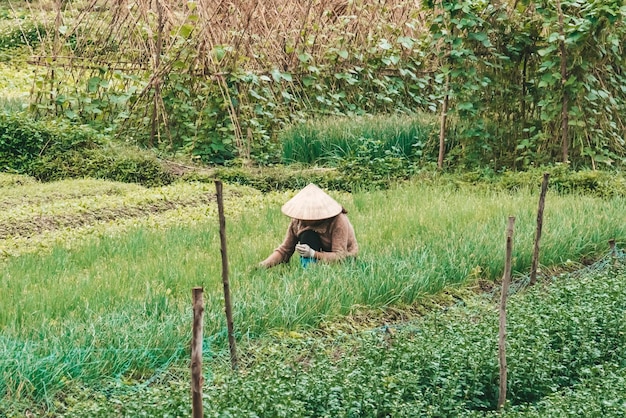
[(311, 204)]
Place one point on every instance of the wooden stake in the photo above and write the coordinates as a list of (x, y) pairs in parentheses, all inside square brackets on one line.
[(542, 201), (225, 280), (565, 99), (196, 353), (442, 125), (506, 279)]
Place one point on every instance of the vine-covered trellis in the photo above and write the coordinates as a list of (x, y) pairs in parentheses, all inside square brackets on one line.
[(523, 82), (121, 59)]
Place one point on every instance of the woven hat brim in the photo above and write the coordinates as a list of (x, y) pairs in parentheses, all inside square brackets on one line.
[(311, 204)]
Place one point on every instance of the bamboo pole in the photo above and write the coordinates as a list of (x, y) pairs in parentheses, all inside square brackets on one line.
[(225, 280), (565, 99), (157, 85), (442, 125), (506, 279), (542, 201), (446, 99), (196, 353)]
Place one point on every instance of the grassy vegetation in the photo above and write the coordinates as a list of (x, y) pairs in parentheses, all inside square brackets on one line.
[(114, 304), (330, 140), (565, 359), (95, 275)]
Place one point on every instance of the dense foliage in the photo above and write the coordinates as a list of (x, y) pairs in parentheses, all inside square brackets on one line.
[(446, 365), (51, 151), (535, 84), (14, 37)]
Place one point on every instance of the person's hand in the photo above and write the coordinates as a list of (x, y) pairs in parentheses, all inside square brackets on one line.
[(305, 251)]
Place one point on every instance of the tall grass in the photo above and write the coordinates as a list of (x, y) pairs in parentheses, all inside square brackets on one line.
[(326, 140), (119, 307)]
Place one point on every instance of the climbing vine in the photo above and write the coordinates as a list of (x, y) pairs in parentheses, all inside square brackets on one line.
[(517, 83)]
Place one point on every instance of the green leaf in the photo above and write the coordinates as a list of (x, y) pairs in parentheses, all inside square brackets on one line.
[(178, 64), (545, 51), (276, 75), (308, 80), (553, 37), (574, 38), (406, 42), (186, 30), (256, 95), (481, 37), (92, 84), (219, 52), (465, 106), (384, 45)]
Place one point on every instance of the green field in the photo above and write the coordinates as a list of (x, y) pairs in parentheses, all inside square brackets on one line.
[(96, 276), (117, 117)]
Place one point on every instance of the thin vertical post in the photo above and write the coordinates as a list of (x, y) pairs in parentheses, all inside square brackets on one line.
[(542, 202), (564, 78), (442, 124), (506, 280), (156, 69), (196, 353), (225, 280)]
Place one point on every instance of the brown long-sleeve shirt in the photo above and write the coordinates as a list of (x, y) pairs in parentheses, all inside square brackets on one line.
[(337, 236)]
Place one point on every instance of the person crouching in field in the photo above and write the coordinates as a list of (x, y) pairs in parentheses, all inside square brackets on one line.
[(319, 230)]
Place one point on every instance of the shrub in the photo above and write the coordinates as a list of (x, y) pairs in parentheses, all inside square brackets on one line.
[(278, 178), (23, 140), (563, 180), (50, 150), (372, 166), (110, 164), (13, 37)]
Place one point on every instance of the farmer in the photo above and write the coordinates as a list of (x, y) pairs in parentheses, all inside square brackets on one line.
[(319, 230)]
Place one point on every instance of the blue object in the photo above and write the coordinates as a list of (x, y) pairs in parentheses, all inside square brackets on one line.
[(305, 261)]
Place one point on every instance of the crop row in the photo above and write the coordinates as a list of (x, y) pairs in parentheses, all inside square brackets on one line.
[(35, 216), (565, 357)]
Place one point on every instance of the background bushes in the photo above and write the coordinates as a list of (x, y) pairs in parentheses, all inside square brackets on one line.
[(13, 38), (361, 155), (53, 150)]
